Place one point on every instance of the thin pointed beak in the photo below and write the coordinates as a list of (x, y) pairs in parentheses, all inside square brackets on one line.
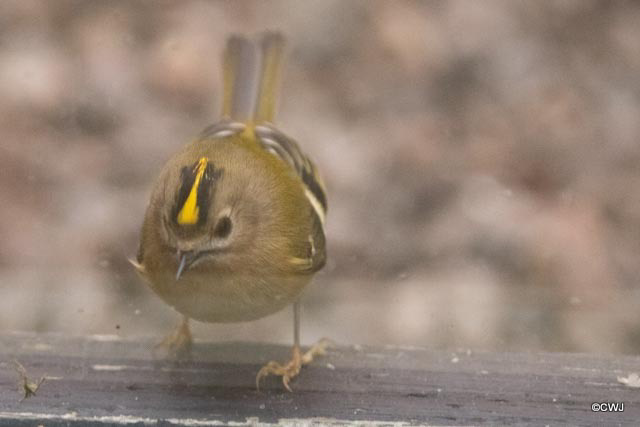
[(185, 260)]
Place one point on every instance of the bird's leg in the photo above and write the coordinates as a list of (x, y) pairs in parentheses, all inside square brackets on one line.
[(178, 343), (298, 359)]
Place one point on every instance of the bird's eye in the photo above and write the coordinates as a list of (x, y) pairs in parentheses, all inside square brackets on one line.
[(223, 227)]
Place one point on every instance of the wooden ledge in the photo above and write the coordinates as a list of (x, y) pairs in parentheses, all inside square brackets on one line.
[(108, 380)]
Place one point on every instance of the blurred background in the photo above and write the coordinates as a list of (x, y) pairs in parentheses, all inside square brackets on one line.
[(482, 161)]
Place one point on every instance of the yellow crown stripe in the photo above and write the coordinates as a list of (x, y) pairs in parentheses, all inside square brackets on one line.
[(190, 210)]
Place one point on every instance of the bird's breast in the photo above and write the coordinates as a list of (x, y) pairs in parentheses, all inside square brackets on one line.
[(223, 298)]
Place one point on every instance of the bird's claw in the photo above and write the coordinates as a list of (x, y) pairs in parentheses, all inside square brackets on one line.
[(291, 369)]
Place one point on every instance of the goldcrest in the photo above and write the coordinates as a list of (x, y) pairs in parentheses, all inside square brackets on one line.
[(234, 229)]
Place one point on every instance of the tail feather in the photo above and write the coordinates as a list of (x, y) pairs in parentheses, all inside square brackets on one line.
[(272, 49), (249, 94), (239, 79)]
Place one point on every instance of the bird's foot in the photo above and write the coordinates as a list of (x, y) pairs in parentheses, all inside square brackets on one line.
[(292, 368), (179, 342)]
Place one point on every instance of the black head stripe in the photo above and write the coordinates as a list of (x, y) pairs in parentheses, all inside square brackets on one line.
[(187, 178), (205, 190)]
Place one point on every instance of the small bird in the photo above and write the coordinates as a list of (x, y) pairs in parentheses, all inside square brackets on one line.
[(234, 229)]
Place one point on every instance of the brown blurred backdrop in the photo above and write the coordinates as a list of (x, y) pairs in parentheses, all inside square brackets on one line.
[(482, 161)]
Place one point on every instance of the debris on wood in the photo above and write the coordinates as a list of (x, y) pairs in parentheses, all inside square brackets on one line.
[(632, 380), (26, 387)]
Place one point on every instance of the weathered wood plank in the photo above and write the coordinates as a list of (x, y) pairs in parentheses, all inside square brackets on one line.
[(107, 380)]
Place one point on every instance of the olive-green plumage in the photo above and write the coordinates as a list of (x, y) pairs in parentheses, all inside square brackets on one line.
[(234, 227)]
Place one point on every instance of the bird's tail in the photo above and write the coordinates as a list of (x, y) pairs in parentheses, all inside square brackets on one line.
[(249, 95)]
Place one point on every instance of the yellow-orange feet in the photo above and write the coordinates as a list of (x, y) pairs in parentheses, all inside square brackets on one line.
[(292, 368), (178, 343)]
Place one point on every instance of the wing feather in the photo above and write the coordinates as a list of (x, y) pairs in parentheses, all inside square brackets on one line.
[(241, 93)]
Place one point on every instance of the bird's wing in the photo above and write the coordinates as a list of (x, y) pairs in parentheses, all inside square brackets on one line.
[(249, 106)]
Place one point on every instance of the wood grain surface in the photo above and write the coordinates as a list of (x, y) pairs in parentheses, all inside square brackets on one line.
[(108, 380)]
